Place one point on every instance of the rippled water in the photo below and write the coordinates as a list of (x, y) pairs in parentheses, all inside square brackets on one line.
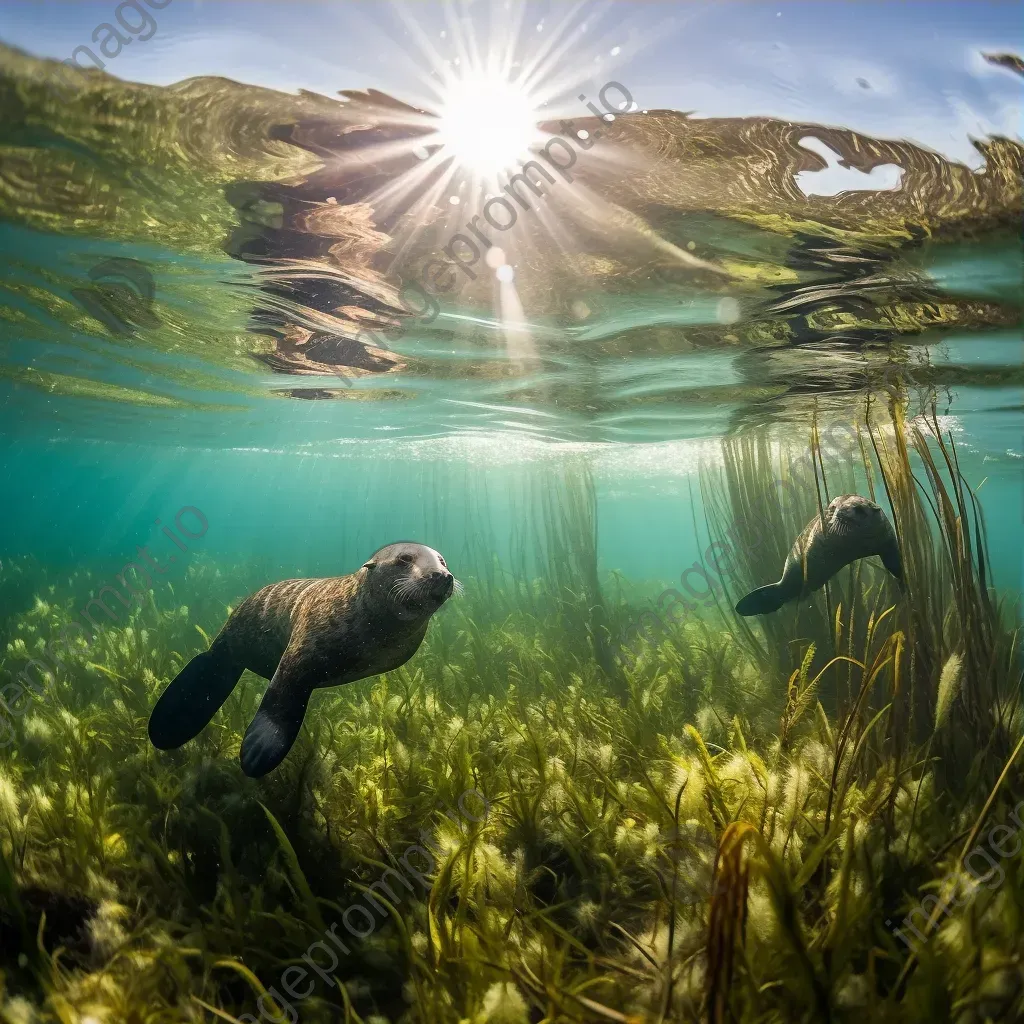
[(681, 282)]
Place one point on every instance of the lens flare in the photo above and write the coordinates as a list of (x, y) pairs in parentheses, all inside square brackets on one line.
[(488, 123)]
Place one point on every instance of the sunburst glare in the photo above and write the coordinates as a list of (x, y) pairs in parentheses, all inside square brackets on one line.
[(488, 123), (497, 88)]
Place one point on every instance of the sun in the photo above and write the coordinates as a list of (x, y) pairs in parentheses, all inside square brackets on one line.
[(488, 123)]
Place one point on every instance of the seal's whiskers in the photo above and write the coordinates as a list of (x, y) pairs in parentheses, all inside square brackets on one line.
[(409, 588)]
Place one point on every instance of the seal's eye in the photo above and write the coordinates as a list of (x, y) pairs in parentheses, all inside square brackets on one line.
[(407, 559), (444, 564)]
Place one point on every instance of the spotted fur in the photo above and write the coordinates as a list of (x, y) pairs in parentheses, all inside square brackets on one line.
[(302, 635)]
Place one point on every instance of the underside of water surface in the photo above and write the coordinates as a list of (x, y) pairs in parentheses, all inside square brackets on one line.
[(250, 335)]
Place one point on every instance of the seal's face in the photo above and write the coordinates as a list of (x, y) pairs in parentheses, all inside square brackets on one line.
[(411, 579), (852, 513)]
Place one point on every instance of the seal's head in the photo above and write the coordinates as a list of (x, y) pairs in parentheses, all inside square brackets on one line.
[(410, 579), (853, 514)]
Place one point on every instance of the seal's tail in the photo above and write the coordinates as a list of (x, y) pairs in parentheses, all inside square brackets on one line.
[(193, 698), (762, 601)]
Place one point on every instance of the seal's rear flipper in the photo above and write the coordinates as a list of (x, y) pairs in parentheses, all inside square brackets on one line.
[(193, 698), (762, 601), (272, 732)]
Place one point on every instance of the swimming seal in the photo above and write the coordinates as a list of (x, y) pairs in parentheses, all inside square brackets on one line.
[(302, 635), (853, 528)]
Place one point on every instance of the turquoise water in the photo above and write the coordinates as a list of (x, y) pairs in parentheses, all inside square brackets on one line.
[(313, 505)]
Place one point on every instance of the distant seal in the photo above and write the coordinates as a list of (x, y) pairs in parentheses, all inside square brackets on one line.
[(305, 634), (853, 528)]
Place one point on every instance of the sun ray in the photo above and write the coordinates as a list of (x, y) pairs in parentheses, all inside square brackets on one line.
[(490, 93), (555, 46)]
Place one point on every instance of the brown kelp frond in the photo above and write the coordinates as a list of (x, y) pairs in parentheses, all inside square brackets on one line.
[(728, 917)]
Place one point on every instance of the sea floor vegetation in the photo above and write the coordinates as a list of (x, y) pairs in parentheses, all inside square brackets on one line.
[(718, 820)]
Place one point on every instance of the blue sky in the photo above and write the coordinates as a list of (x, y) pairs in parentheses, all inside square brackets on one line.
[(894, 69)]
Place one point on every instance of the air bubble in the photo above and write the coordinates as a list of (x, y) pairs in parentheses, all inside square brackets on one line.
[(728, 311)]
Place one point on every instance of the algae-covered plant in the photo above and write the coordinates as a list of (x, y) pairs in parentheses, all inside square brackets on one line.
[(543, 816)]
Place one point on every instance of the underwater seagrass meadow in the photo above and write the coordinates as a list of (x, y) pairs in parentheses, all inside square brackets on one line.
[(266, 307)]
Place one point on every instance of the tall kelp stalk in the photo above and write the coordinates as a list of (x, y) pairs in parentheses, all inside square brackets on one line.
[(459, 520), (963, 661), (902, 671), (757, 504), (565, 539)]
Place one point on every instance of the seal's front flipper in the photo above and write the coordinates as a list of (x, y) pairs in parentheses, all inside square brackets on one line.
[(762, 601), (272, 732), (890, 555), (193, 698)]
